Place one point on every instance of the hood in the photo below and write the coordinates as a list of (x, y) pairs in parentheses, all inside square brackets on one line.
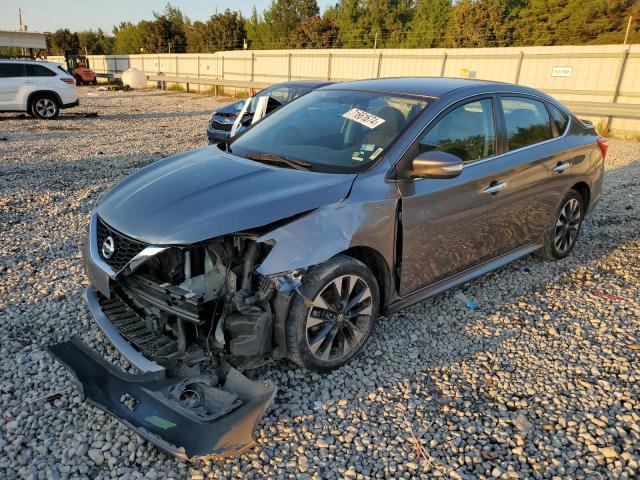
[(206, 193), (233, 108)]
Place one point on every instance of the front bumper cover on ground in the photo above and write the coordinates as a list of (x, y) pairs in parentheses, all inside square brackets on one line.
[(156, 417)]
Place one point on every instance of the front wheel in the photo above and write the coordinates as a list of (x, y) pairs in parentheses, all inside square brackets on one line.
[(565, 231), (332, 316), (45, 107)]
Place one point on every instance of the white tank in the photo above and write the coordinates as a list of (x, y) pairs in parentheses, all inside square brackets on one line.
[(134, 78)]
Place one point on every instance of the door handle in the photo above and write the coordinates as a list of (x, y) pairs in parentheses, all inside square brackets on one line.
[(494, 188), (29, 81), (561, 167)]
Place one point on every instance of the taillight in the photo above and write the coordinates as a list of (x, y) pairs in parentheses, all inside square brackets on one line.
[(68, 80), (603, 143)]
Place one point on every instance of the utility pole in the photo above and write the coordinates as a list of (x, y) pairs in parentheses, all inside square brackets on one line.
[(23, 27), (626, 35)]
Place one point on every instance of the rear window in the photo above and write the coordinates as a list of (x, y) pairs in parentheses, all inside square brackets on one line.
[(560, 119), (9, 70), (38, 71), (527, 121)]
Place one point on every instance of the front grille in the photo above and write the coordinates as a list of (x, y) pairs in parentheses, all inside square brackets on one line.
[(223, 127), (125, 248)]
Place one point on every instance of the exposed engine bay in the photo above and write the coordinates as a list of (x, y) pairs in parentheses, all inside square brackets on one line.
[(201, 314), (193, 309)]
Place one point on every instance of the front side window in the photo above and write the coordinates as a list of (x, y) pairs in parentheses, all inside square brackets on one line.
[(339, 131), (11, 70), (527, 121), (466, 132), (38, 71)]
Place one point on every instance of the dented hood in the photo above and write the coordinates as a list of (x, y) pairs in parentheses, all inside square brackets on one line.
[(205, 193)]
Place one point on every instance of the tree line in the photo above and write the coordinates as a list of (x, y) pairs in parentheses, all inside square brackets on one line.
[(367, 24)]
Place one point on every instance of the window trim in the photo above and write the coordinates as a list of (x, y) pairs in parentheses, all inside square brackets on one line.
[(393, 174), (446, 112), (52, 73), (546, 108), (434, 121)]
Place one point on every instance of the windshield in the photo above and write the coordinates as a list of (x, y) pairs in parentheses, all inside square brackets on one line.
[(332, 130)]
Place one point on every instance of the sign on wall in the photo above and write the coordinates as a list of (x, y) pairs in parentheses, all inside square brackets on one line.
[(562, 71)]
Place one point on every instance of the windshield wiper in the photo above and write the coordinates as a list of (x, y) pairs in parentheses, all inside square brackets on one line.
[(269, 158)]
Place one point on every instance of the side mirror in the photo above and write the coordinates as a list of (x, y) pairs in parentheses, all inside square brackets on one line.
[(436, 165)]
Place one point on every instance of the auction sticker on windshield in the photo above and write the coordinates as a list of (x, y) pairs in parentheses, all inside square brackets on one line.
[(367, 119)]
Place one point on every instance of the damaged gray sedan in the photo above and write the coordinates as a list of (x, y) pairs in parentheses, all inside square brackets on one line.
[(287, 242)]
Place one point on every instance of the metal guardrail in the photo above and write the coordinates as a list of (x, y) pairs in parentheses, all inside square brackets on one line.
[(596, 109)]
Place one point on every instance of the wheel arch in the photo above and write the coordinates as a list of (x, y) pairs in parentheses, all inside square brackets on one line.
[(43, 92), (375, 262), (585, 192)]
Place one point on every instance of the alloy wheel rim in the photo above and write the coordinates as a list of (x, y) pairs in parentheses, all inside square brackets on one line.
[(338, 318), (567, 226), (45, 107)]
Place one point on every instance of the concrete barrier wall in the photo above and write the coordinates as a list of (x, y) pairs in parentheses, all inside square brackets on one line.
[(593, 73)]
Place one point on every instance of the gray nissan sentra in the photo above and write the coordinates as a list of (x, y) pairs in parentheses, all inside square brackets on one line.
[(357, 199)]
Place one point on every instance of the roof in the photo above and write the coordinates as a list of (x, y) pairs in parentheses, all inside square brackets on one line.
[(421, 86), (23, 40), (20, 60), (305, 83)]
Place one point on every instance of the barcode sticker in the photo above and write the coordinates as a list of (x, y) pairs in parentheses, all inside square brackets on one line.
[(367, 119)]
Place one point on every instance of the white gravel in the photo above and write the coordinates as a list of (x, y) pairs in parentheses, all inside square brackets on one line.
[(541, 380)]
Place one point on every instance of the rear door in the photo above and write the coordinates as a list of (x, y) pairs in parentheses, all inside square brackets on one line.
[(540, 165), (11, 82)]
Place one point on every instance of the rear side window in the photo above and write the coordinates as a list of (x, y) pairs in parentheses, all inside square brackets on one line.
[(38, 71), (560, 119), (527, 121), (9, 70), (466, 132)]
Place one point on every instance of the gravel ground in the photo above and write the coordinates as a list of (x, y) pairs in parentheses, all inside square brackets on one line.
[(541, 380)]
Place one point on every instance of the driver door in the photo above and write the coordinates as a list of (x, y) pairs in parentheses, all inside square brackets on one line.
[(450, 225)]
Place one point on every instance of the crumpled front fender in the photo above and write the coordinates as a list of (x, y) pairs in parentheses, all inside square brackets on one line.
[(328, 231)]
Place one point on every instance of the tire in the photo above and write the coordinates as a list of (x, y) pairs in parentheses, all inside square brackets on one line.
[(45, 106), (78, 79), (566, 227), (94, 81), (323, 331)]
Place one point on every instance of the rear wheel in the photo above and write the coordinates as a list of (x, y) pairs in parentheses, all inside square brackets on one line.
[(45, 106), (333, 321), (78, 79), (94, 81), (566, 227)]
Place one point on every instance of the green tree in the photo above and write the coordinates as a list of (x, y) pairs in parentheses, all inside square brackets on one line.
[(128, 38), (388, 19), (429, 22), (316, 32), (565, 22), (257, 31), (95, 43), (479, 23), (283, 18), (62, 40), (223, 31)]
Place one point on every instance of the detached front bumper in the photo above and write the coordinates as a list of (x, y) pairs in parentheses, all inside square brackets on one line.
[(147, 404)]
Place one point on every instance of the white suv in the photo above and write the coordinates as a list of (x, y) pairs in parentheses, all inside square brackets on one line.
[(38, 88)]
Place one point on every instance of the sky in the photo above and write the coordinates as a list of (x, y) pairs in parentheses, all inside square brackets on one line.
[(49, 15)]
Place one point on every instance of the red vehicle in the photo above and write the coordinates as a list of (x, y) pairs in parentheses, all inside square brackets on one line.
[(78, 66)]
